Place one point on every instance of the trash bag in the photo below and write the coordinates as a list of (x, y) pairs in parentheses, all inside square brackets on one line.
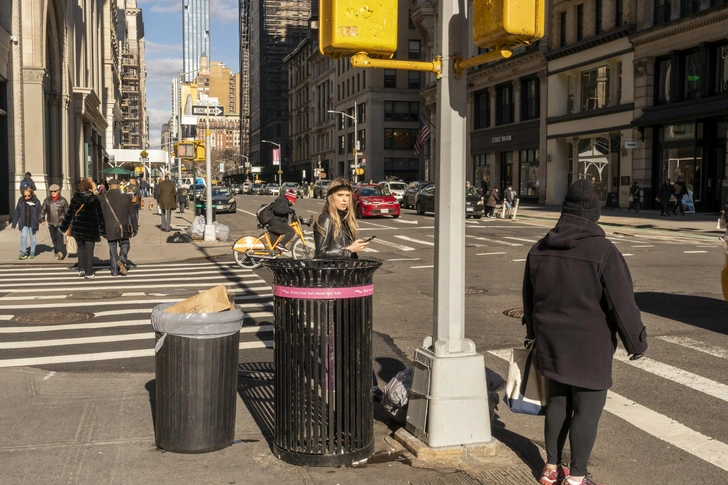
[(197, 229), (222, 232), (396, 394), (178, 237)]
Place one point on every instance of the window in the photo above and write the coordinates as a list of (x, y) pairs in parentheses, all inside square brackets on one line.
[(530, 99), (693, 72), (721, 72), (689, 7), (579, 22), (349, 121), (529, 173), (570, 94), (618, 13), (361, 113), (390, 78), (400, 138), (342, 121), (414, 49), (595, 88), (504, 104), (342, 145), (413, 79), (410, 25), (562, 29), (401, 111), (362, 139), (662, 11), (664, 71), (482, 109), (598, 16), (350, 142)]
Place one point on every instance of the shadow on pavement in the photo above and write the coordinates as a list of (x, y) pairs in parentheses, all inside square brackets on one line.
[(151, 388), (523, 447), (255, 388), (698, 311)]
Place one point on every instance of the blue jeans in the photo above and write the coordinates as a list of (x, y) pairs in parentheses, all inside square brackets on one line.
[(24, 240)]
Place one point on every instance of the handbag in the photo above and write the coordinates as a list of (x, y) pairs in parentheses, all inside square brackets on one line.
[(526, 388), (124, 231), (68, 231), (71, 246), (631, 198), (657, 199)]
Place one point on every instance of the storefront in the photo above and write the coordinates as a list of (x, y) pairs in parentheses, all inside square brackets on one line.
[(508, 154)]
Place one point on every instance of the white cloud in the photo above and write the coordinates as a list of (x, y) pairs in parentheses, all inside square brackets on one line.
[(161, 6), (157, 117), (152, 48), (224, 11), (166, 67)]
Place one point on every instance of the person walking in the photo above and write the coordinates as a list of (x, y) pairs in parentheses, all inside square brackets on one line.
[(508, 197), (182, 198), (144, 186), (724, 216), (54, 210), (575, 329), (167, 193), (336, 230), (136, 196), (635, 198), (121, 225), (663, 197), (86, 221), (679, 190), (491, 201), (27, 218), (469, 189), (278, 226), (27, 182)]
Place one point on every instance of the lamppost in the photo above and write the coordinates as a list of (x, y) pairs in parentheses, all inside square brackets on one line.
[(356, 140), (280, 172)]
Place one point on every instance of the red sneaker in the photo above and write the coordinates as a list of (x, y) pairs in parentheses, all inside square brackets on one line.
[(549, 476)]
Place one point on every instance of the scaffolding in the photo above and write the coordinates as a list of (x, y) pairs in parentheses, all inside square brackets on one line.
[(132, 124), (244, 77)]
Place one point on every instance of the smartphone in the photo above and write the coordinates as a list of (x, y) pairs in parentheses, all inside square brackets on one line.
[(368, 239)]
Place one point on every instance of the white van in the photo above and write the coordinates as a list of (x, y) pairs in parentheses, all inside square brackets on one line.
[(186, 182)]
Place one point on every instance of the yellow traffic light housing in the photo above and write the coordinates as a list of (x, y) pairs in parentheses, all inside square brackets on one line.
[(347, 27), (503, 22), (185, 150)]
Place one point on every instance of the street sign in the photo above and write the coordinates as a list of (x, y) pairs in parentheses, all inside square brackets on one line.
[(363, 162), (630, 144), (222, 166), (256, 169), (322, 175), (359, 154), (201, 110)]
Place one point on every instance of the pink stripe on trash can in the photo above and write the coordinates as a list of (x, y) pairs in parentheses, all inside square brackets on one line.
[(323, 293)]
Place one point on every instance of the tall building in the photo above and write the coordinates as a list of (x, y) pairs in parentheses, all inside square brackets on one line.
[(244, 84), (135, 133), (112, 75), (195, 35), (216, 80), (276, 28)]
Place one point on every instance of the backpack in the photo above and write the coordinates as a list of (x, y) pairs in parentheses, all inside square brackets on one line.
[(265, 213)]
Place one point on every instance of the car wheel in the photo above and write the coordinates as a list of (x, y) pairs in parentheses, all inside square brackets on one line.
[(419, 209), (234, 208), (357, 212), (477, 217), (395, 216)]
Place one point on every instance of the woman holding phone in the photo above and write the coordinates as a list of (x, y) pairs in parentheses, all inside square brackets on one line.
[(336, 230)]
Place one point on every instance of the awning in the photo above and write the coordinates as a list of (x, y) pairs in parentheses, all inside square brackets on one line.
[(684, 111)]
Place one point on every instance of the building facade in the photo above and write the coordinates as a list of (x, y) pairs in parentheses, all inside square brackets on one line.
[(244, 84), (195, 35), (135, 132), (224, 131)]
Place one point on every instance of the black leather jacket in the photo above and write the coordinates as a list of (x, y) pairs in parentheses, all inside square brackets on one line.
[(53, 212), (328, 246)]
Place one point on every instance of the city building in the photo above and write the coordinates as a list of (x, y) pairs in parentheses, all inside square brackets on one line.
[(135, 132), (244, 83), (681, 99), (224, 131), (165, 137), (217, 81), (299, 101), (195, 35), (112, 76), (275, 29)]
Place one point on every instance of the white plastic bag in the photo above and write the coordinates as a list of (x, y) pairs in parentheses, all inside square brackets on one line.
[(222, 232), (197, 229), (396, 394)]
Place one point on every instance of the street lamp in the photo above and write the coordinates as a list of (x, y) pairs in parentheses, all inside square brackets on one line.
[(280, 171), (356, 140)]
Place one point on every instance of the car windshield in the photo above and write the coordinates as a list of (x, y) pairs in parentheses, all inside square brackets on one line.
[(220, 191), (397, 186), (373, 191)]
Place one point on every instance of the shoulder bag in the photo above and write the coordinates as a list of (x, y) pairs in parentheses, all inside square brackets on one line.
[(124, 231), (526, 388), (68, 231)]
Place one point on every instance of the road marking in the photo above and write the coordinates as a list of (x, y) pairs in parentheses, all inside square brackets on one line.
[(393, 245), (693, 344), (250, 213), (63, 296), (374, 224), (645, 246), (674, 374), (6, 317), (370, 250), (522, 239), (428, 243), (488, 254), (658, 425), (421, 267), (122, 354), (404, 221), (496, 241), (518, 260), (711, 247), (143, 267), (72, 304), (694, 252), (404, 259), (627, 254), (98, 280), (471, 222)]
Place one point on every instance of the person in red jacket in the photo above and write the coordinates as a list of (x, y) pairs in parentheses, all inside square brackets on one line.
[(577, 296)]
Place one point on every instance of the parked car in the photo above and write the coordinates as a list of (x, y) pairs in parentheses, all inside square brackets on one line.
[(374, 200), (222, 198), (257, 189), (245, 188), (425, 202), (235, 188), (319, 188), (410, 194), (295, 186), (396, 187), (273, 189)]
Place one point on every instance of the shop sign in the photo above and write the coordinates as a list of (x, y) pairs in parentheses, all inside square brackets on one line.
[(501, 139), (630, 144)]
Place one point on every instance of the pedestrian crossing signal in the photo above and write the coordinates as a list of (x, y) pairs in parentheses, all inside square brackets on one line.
[(503, 22)]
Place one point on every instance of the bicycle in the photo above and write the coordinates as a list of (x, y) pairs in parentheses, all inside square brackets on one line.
[(251, 251)]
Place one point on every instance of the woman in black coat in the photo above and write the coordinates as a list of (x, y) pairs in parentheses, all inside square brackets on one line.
[(336, 230), (86, 221), (577, 296), (27, 218)]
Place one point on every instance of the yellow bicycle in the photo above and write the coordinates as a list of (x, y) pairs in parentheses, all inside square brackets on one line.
[(251, 251)]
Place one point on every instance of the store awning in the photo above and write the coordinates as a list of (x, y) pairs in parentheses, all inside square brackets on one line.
[(684, 111)]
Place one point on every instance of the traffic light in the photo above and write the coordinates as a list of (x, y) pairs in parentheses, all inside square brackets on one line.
[(501, 22), (347, 27), (185, 150)]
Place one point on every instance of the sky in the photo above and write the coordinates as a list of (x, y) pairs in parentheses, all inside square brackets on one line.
[(163, 41)]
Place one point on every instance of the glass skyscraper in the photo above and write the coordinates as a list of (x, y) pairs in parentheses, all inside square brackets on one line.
[(195, 35)]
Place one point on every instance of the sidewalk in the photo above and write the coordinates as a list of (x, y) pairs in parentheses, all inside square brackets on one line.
[(150, 245)]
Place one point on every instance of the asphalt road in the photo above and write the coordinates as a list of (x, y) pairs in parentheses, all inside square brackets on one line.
[(665, 418)]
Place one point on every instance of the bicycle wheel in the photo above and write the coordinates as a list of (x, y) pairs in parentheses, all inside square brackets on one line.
[(245, 261), (301, 251)]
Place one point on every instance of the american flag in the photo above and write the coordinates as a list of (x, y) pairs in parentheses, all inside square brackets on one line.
[(422, 135)]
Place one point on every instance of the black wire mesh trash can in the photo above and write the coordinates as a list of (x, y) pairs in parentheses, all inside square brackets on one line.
[(323, 361), (196, 367)]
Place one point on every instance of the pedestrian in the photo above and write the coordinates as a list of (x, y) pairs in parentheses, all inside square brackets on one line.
[(86, 221), (136, 196), (508, 197), (679, 190), (27, 182), (635, 198), (279, 226), (144, 187), (663, 197), (491, 202), (469, 189), (484, 187), (724, 215), (336, 230), (121, 224), (54, 210), (182, 198), (577, 297), (27, 218), (167, 195)]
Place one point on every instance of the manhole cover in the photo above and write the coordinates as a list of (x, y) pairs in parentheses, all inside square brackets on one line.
[(514, 312), (475, 291), (94, 295), (52, 317), (172, 292)]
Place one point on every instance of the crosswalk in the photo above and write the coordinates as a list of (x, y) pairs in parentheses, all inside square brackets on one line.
[(50, 316)]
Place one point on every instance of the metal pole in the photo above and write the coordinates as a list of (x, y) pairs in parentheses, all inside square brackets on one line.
[(356, 147), (209, 228)]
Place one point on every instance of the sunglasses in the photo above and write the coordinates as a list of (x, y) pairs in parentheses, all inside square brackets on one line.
[(27, 196), (54, 191)]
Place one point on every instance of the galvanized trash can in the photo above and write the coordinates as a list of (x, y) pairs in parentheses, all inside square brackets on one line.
[(323, 361), (196, 366)]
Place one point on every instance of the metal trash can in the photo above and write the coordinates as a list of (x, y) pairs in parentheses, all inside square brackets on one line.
[(201, 210), (323, 361), (196, 365)]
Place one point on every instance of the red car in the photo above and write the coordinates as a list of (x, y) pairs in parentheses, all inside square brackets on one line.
[(374, 200)]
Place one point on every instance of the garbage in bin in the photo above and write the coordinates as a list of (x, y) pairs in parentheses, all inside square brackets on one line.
[(178, 237), (396, 394), (196, 372)]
